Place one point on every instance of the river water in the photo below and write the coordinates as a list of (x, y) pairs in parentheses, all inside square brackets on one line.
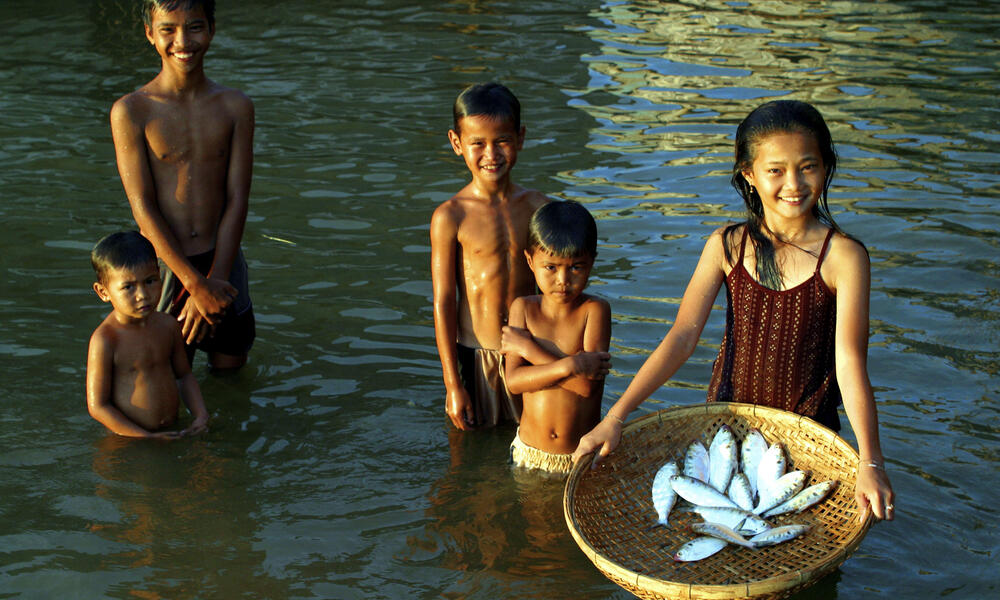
[(330, 470)]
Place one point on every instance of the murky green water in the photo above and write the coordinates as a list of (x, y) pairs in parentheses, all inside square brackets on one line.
[(330, 470)]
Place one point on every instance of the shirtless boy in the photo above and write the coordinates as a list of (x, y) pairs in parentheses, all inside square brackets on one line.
[(137, 370), (478, 238), (556, 344), (184, 150)]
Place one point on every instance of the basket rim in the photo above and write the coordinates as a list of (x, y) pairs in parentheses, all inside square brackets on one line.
[(736, 590)]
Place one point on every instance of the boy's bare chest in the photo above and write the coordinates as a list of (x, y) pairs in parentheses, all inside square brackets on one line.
[(492, 235), (137, 353), (181, 136)]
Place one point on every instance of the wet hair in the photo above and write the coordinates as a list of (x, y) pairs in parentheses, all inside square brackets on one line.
[(777, 117), (489, 100), (121, 250), (148, 6), (564, 229)]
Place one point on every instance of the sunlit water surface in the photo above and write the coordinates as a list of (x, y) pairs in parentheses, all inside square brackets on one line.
[(330, 470)]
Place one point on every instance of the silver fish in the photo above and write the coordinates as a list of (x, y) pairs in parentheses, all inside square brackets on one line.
[(664, 495), (772, 466), (726, 515), (696, 461), (699, 493), (751, 452), (740, 493), (699, 548), (781, 490), (810, 496), (778, 535), (735, 518), (722, 532), (722, 459)]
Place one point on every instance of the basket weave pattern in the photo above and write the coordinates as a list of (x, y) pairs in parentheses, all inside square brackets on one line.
[(609, 510)]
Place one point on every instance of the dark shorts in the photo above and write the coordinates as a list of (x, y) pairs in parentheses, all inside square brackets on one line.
[(483, 377), (234, 335)]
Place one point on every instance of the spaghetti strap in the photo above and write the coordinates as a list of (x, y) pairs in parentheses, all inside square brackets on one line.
[(743, 244), (822, 253)]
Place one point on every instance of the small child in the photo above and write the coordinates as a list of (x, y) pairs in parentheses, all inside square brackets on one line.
[(797, 293), (478, 238), (136, 365), (184, 147), (556, 344)]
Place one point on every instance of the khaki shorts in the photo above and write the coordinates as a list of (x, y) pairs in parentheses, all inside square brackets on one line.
[(523, 455)]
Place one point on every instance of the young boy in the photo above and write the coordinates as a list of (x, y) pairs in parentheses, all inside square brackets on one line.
[(184, 150), (136, 365), (556, 344), (478, 239)]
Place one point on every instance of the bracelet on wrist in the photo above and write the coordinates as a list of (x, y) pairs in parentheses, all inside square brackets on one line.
[(617, 418), (875, 464)]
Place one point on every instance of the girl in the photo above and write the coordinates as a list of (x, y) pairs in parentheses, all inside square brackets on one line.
[(797, 295)]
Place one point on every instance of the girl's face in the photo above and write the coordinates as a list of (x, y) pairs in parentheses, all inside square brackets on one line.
[(789, 174)]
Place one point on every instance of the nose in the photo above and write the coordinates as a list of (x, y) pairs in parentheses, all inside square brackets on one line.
[(562, 277)]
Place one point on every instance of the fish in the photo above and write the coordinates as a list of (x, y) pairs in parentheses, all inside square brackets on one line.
[(781, 490), (778, 535), (808, 497), (734, 518), (699, 548), (740, 493), (751, 452), (722, 532), (696, 461), (664, 495), (772, 466), (699, 493), (722, 459)]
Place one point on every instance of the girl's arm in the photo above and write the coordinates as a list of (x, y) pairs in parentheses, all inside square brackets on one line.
[(852, 284), (676, 347)]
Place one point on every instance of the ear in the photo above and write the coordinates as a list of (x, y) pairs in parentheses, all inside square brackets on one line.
[(527, 256), (456, 141), (102, 292), (149, 34), (520, 137), (748, 175)]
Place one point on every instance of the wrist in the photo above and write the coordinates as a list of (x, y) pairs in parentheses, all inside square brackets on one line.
[(615, 418), (872, 463)]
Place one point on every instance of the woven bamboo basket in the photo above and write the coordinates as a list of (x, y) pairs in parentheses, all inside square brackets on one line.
[(609, 510)]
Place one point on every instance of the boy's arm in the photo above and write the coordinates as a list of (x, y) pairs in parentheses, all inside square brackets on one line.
[(210, 297), (238, 178), (573, 371), (444, 241), (100, 357), (188, 386)]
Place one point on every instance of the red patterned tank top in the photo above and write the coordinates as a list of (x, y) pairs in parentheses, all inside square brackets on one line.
[(778, 348)]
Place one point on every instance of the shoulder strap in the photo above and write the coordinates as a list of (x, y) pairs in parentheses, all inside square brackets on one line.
[(743, 243), (822, 253)]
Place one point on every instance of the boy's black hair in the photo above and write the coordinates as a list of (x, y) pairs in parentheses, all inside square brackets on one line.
[(121, 250), (778, 116), (564, 229), (490, 100), (148, 6)]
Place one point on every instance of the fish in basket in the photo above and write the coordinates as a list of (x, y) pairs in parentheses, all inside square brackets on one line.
[(775, 514)]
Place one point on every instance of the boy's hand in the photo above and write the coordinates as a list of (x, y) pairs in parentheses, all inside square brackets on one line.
[(194, 327), (513, 340), (459, 409), (199, 425), (592, 365), (211, 297)]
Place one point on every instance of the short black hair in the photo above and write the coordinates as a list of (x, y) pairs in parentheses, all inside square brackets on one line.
[(563, 228), (491, 100), (121, 250), (148, 6)]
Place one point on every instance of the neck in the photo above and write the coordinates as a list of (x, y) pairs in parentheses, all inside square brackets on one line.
[(501, 191), (182, 83), (786, 230)]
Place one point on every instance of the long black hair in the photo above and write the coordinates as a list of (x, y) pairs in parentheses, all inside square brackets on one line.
[(779, 116)]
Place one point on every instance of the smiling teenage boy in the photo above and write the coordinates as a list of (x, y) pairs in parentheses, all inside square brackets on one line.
[(557, 342), (137, 370), (478, 238), (184, 149)]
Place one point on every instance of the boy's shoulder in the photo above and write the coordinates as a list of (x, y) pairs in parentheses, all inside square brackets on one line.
[(160, 328), (151, 97)]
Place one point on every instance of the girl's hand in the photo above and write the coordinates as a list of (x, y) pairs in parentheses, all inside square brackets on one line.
[(873, 492), (604, 438)]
